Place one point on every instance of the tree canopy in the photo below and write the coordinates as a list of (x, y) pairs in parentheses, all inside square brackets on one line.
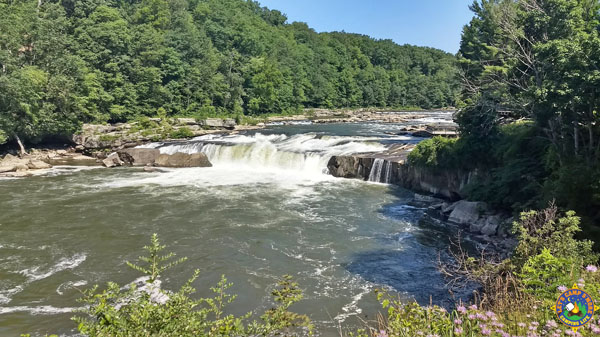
[(64, 62)]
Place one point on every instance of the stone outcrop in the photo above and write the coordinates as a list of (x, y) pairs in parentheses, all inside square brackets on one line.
[(183, 160), (448, 184), (112, 160), (35, 162), (94, 138), (467, 212), (138, 156)]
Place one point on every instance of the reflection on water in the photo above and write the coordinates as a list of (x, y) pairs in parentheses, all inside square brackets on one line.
[(254, 222)]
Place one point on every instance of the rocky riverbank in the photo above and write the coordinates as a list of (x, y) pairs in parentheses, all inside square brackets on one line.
[(391, 167)]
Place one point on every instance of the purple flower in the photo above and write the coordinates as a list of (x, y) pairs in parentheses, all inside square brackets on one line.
[(490, 314), (521, 325), (486, 332), (481, 317), (462, 309), (562, 289), (458, 331), (551, 324), (382, 333), (591, 269), (473, 307), (471, 317), (457, 321)]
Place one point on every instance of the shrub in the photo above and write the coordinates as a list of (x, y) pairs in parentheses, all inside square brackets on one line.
[(151, 311), (435, 153), (182, 132)]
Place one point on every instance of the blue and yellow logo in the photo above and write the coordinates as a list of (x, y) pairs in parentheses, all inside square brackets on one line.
[(574, 308)]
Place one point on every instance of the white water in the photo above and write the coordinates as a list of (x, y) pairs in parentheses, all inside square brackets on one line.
[(305, 153), (381, 172)]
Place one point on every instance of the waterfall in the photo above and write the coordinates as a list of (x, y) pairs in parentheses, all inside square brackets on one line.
[(381, 172), (307, 153)]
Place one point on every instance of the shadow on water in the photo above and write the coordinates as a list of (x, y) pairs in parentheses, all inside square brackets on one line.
[(407, 260)]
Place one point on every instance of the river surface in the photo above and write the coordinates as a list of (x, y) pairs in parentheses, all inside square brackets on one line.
[(267, 208)]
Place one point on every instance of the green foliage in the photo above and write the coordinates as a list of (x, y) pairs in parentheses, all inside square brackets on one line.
[(151, 311), (69, 62), (517, 292), (182, 132), (154, 261), (544, 230), (3, 137), (435, 153), (543, 274), (537, 63)]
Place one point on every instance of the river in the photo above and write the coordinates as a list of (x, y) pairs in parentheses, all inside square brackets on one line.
[(266, 208)]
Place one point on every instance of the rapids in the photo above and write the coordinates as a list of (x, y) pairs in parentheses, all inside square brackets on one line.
[(266, 208)]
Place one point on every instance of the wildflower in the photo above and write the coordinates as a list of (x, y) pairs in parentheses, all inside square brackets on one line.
[(551, 324), (462, 309), (562, 289), (471, 317), (521, 325), (490, 314), (382, 333), (473, 307), (458, 321), (481, 317), (591, 269), (596, 330), (458, 331), (534, 323), (486, 332)]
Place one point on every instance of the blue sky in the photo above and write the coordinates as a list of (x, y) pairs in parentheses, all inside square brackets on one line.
[(432, 23)]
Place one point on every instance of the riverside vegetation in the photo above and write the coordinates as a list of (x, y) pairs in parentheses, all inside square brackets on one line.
[(514, 299), (63, 63), (528, 129), (529, 125)]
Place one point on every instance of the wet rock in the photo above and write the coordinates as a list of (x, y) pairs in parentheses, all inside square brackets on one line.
[(18, 174), (426, 199), (112, 160), (183, 160), (38, 165), (138, 156), (152, 169), (467, 212)]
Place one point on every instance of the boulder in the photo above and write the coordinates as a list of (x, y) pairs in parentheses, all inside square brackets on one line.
[(466, 212), (186, 121), (476, 227), (112, 160), (448, 207), (491, 225), (183, 160), (4, 169), (214, 123), (38, 165), (139, 156)]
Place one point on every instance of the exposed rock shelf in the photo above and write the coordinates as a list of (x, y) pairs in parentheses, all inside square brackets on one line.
[(391, 167)]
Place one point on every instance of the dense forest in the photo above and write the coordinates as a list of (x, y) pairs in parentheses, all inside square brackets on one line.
[(67, 62), (531, 87)]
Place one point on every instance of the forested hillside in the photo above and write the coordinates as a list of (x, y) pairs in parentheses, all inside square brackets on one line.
[(67, 62), (531, 82)]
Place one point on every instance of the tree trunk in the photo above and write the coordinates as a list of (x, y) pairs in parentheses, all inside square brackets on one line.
[(576, 138), (21, 147)]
